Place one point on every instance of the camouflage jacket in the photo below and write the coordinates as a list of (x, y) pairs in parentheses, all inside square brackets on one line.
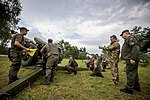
[(114, 49), (130, 49)]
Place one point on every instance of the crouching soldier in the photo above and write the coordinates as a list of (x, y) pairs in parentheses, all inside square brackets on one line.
[(52, 58), (72, 66), (96, 67)]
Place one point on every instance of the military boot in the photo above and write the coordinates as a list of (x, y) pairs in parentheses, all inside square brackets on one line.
[(47, 80), (126, 90), (138, 89)]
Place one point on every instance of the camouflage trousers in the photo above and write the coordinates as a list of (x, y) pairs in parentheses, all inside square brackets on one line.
[(15, 58), (51, 66), (132, 75), (114, 71)]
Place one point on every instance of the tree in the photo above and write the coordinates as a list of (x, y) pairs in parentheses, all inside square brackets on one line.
[(72, 50), (143, 37), (9, 10), (143, 34)]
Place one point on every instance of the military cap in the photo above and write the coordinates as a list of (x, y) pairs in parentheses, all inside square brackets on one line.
[(113, 36), (23, 28), (124, 32), (50, 40)]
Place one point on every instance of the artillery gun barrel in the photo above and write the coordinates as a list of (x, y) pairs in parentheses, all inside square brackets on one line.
[(39, 41)]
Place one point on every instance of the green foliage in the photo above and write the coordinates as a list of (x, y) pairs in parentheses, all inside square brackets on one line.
[(144, 59), (68, 49), (143, 36), (9, 10)]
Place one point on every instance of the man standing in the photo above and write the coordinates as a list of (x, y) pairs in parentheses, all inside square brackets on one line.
[(72, 66), (130, 53), (15, 53), (114, 49), (52, 54)]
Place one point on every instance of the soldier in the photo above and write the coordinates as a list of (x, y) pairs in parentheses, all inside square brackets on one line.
[(15, 53), (72, 66), (96, 67), (51, 52), (130, 53), (114, 49)]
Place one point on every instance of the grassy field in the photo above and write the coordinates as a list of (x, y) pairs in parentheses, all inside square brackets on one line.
[(4, 69), (84, 87)]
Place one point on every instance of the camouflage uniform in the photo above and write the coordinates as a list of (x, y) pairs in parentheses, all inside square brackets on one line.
[(51, 61), (15, 57), (114, 49), (72, 66), (130, 51)]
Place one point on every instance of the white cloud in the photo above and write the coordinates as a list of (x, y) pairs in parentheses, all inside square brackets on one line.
[(93, 20)]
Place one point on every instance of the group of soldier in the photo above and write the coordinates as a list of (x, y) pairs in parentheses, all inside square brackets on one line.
[(129, 53)]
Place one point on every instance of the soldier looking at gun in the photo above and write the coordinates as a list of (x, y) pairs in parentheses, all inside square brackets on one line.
[(17, 46), (114, 49), (52, 58)]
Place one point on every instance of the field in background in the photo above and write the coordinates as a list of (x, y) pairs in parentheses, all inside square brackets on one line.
[(79, 87)]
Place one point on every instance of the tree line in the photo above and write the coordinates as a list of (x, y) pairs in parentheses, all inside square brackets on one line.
[(68, 49)]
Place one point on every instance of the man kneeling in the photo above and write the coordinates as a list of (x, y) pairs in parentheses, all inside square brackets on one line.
[(96, 67), (72, 66)]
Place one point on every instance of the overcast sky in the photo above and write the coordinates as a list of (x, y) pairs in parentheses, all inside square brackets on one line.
[(83, 23)]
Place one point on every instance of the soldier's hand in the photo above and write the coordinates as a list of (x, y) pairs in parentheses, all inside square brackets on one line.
[(132, 62), (27, 49)]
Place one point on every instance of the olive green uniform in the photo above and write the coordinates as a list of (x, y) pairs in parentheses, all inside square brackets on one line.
[(114, 49), (52, 60), (130, 51), (15, 57), (72, 66)]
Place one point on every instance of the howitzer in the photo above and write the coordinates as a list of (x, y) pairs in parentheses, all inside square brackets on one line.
[(28, 60)]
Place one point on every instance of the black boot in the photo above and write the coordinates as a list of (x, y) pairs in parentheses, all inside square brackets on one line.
[(47, 80), (75, 72), (126, 90), (100, 75), (51, 80), (138, 89)]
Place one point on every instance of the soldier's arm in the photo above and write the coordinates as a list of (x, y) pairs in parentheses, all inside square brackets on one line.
[(111, 47), (135, 49), (17, 43), (43, 49)]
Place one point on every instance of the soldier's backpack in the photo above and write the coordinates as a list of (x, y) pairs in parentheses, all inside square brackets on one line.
[(9, 49)]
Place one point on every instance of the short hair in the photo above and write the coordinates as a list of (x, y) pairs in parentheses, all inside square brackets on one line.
[(113, 36), (23, 28)]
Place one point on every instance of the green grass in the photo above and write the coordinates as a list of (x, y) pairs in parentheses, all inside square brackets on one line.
[(84, 87), (4, 70)]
